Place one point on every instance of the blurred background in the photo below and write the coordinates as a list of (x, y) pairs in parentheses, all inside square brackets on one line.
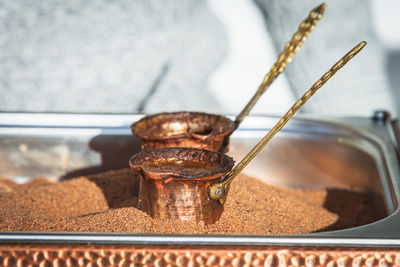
[(149, 56)]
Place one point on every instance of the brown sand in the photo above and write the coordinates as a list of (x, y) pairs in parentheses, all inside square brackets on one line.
[(107, 202), (6, 185)]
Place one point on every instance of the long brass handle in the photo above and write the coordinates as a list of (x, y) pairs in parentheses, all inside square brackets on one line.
[(285, 57), (220, 190)]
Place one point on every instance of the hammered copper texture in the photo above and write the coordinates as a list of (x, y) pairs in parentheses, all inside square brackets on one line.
[(85, 255), (192, 203)]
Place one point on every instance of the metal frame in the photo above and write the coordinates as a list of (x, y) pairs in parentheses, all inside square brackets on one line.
[(378, 133)]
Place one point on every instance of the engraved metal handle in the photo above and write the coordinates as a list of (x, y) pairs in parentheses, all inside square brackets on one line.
[(220, 190), (285, 57)]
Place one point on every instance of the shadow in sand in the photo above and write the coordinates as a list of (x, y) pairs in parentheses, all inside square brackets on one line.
[(121, 186), (353, 208)]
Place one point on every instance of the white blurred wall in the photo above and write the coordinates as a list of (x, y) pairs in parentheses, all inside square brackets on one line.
[(251, 54), (386, 22)]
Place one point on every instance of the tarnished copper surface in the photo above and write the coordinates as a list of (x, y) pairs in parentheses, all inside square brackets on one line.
[(174, 182), (147, 255), (184, 129)]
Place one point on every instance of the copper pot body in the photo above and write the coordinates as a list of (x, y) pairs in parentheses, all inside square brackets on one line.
[(184, 129), (174, 183)]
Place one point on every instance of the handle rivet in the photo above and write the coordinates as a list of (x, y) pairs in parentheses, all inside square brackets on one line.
[(218, 192)]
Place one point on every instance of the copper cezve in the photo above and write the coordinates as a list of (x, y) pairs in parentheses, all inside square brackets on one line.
[(174, 183), (210, 131)]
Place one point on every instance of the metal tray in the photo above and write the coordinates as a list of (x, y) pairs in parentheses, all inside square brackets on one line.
[(357, 153)]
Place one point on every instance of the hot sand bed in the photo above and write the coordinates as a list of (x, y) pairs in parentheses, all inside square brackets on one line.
[(107, 202)]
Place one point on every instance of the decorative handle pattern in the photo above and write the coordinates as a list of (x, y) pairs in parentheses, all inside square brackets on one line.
[(291, 48), (220, 190)]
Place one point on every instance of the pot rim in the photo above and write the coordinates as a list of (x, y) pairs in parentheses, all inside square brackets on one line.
[(225, 163), (139, 129)]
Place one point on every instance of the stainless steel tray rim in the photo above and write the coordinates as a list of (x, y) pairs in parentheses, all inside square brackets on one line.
[(242, 240)]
